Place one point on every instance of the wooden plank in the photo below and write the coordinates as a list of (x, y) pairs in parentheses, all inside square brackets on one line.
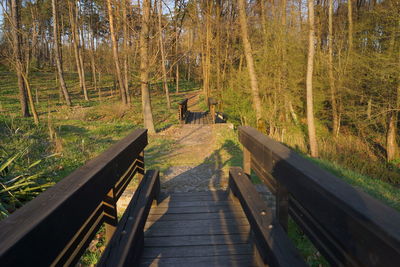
[(194, 216), (355, 223), (177, 204), (231, 260), (165, 210), (206, 230), (85, 188), (196, 251), (199, 240), (197, 223), (217, 196), (127, 243), (197, 194), (273, 244)]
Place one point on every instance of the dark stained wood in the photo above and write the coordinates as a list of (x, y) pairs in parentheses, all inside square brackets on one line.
[(126, 245), (199, 196), (198, 240), (272, 242), (213, 223), (348, 226), (194, 210), (228, 261), (57, 226), (197, 228), (197, 216), (203, 203), (220, 229), (197, 251), (183, 110)]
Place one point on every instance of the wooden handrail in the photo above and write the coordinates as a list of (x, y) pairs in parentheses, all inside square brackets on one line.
[(349, 227), (183, 110), (126, 246), (274, 246), (56, 227)]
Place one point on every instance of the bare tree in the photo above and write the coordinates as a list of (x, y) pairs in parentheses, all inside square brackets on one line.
[(250, 62), (16, 39), (335, 116), (144, 67), (115, 53), (57, 54), (126, 52), (162, 52), (309, 81), (73, 18)]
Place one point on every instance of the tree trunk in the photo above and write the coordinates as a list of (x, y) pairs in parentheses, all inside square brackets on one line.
[(350, 18), (391, 143), (92, 49), (72, 8), (30, 97), (250, 62), (16, 38), (144, 67), (162, 51), (57, 54), (126, 52), (310, 66), (335, 117), (176, 48), (115, 53), (208, 51), (392, 148)]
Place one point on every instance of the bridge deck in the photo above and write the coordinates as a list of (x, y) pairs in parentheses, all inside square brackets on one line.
[(197, 229)]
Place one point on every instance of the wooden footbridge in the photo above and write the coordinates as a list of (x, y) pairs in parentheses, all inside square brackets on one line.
[(199, 117), (220, 228)]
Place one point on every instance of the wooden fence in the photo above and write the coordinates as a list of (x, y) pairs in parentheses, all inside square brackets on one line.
[(57, 226), (348, 227)]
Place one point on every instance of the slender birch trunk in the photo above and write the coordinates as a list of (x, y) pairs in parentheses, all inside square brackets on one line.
[(335, 117), (115, 53), (250, 62), (310, 66), (126, 52), (162, 51), (57, 54)]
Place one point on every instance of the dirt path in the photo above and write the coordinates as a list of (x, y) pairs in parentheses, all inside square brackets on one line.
[(191, 157), (191, 160)]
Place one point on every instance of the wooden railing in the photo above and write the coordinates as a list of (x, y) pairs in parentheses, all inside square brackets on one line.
[(57, 226), (183, 110), (348, 227), (273, 245), (126, 246)]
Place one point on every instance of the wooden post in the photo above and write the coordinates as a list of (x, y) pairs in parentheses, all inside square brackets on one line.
[(141, 166), (110, 214), (212, 109), (246, 161), (282, 206)]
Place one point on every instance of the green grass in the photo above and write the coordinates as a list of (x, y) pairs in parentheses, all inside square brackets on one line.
[(385, 192), (81, 132)]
